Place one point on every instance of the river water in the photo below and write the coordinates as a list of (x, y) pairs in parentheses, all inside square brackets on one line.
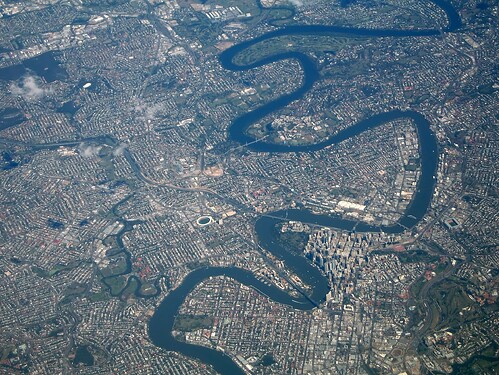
[(161, 324)]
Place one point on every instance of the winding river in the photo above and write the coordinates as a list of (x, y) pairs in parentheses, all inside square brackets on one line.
[(161, 323)]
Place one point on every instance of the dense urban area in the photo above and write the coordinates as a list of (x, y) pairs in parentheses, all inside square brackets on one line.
[(119, 177)]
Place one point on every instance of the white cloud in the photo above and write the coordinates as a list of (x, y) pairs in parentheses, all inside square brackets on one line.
[(88, 151), (119, 150), (296, 3), (301, 3), (138, 105), (145, 111), (29, 89)]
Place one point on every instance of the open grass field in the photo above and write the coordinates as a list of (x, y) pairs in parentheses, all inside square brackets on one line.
[(451, 306), (189, 323), (293, 43)]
